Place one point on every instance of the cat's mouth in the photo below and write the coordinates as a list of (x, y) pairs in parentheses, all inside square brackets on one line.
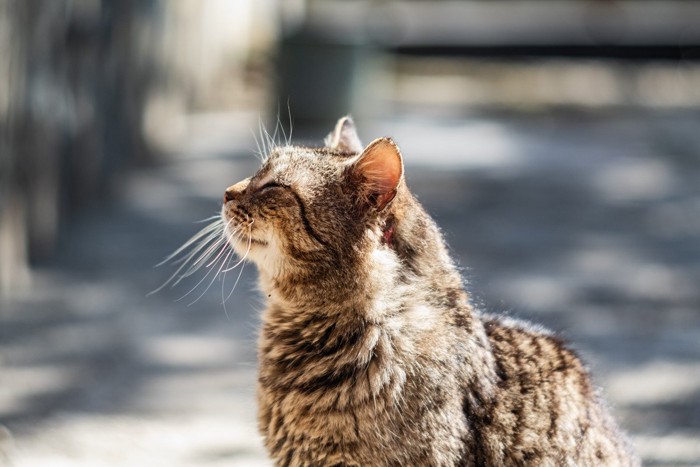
[(255, 241), (238, 237)]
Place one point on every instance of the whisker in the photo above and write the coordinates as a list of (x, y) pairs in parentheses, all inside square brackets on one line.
[(220, 238), (223, 284), (221, 246), (206, 231), (203, 238), (210, 248), (270, 141), (215, 259), (274, 133), (236, 283), (250, 241), (266, 135), (230, 252), (291, 124), (215, 216), (197, 284), (259, 152), (266, 150), (177, 272), (203, 256), (203, 243), (283, 134)]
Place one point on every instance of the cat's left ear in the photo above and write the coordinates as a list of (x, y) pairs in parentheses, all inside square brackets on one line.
[(344, 137), (380, 169)]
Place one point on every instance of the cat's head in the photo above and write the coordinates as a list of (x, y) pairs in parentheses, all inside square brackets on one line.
[(317, 207)]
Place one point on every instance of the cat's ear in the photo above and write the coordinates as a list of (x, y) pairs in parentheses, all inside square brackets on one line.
[(344, 137), (380, 169)]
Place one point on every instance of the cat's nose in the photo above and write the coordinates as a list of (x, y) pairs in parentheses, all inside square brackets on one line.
[(236, 190), (228, 195)]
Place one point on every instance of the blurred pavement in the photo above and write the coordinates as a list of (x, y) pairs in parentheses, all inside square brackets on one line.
[(587, 223)]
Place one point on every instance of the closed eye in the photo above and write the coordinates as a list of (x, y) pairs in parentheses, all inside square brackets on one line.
[(270, 185)]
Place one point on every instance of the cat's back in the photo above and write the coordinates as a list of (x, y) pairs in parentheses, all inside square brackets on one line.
[(546, 410)]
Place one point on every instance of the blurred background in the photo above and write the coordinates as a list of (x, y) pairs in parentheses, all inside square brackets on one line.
[(557, 143)]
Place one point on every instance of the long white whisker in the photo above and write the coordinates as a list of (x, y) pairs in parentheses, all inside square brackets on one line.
[(217, 257), (281, 127), (266, 150), (250, 240), (191, 269), (236, 283), (206, 255), (275, 134), (202, 257), (291, 124), (219, 249), (185, 263), (270, 141), (200, 251), (243, 258), (200, 282), (212, 279), (228, 262), (259, 152), (214, 217), (211, 247), (206, 231), (201, 245), (223, 284), (201, 261)]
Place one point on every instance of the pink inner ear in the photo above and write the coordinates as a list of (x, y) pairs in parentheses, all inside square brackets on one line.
[(381, 166)]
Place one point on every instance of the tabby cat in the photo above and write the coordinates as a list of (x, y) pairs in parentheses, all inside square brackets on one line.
[(371, 353)]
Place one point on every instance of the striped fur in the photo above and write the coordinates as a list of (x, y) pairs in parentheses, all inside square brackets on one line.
[(370, 352)]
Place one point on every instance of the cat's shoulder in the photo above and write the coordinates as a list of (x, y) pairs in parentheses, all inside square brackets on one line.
[(513, 340), (495, 324)]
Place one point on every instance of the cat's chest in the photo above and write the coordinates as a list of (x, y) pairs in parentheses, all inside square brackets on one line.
[(379, 431), (313, 426)]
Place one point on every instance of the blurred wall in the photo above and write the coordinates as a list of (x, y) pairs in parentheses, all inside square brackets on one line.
[(71, 113)]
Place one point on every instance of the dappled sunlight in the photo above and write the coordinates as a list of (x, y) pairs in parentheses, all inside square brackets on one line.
[(198, 389), (674, 449), (32, 382), (188, 350), (675, 218), (215, 438), (625, 267), (655, 382), (475, 144), (634, 180), (537, 292)]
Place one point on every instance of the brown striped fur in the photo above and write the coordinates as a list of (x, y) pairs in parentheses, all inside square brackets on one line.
[(370, 351)]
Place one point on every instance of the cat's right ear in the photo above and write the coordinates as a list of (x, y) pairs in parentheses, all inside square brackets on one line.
[(380, 170), (344, 137)]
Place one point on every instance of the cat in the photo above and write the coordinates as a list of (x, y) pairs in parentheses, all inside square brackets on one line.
[(371, 353)]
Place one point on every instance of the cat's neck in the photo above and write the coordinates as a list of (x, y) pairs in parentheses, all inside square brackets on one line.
[(372, 282), (381, 287), (336, 291)]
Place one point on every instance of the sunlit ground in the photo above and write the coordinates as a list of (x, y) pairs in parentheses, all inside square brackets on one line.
[(588, 223)]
